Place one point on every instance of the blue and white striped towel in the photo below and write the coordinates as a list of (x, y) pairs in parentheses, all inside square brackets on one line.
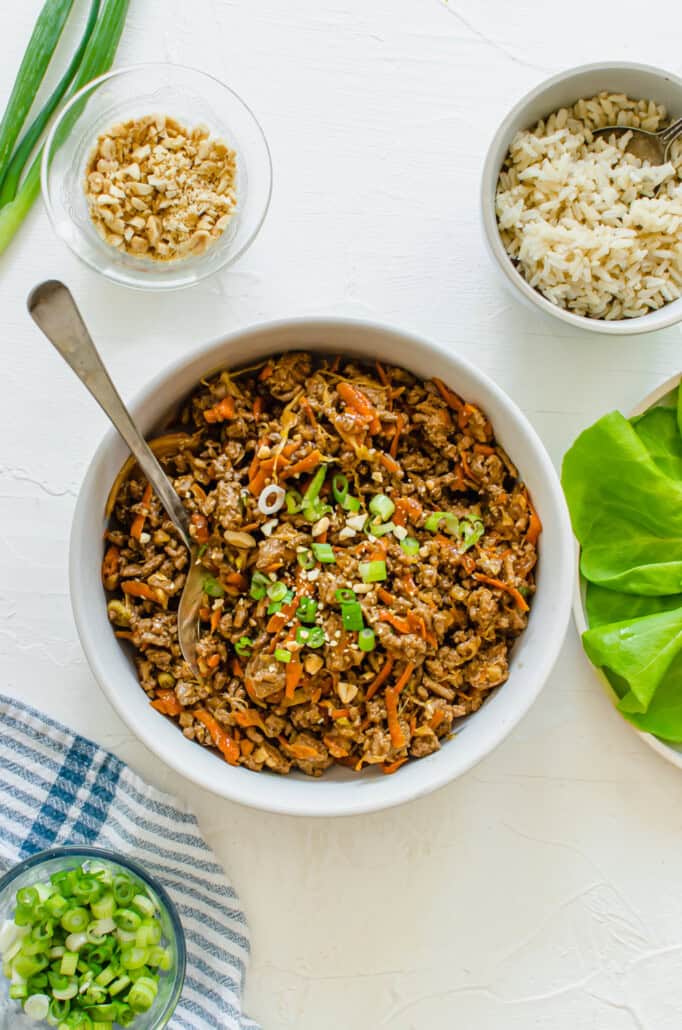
[(59, 788)]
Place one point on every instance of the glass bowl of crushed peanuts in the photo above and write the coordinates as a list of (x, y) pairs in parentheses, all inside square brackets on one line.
[(157, 176)]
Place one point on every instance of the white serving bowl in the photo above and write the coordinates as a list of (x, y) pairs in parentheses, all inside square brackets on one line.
[(667, 749), (340, 792), (562, 90)]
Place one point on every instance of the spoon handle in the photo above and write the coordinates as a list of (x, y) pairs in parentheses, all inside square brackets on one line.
[(54, 310)]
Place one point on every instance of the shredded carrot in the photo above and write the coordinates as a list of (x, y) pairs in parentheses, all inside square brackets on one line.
[(450, 398), (166, 702), (389, 463), (384, 596), (404, 677), (335, 749), (237, 669), (307, 464), (356, 400), (534, 523), (399, 424), (310, 414), (222, 411), (394, 728), (266, 373), (338, 713), (200, 524), (258, 482), (294, 671), (246, 746), (380, 678), (125, 634), (134, 588), (214, 661), (483, 448), (401, 625), (383, 374), (216, 616), (436, 719), (258, 406), (253, 467), (249, 717), (280, 618), (220, 737), (464, 414), (499, 584), (391, 767), (466, 468), (111, 562), (302, 752), (236, 579), (139, 520), (407, 509)]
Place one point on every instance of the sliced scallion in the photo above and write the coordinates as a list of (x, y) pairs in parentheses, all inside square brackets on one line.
[(212, 587), (351, 616), (306, 559), (366, 639), (449, 520), (307, 610), (282, 655), (372, 571), (259, 585), (316, 637), (277, 591), (324, 553), (382, 506), (410, 546), (243, 647)]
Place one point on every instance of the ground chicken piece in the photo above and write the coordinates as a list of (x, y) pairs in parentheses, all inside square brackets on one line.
[(307, 716), (424, 743), (266, 675), (228, 509), (188, 692), (377, 746), (402, 645), (280, 548), (482, 606), (288, 373)]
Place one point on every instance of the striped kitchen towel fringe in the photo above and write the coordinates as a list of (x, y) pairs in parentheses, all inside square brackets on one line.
[(60, 788)]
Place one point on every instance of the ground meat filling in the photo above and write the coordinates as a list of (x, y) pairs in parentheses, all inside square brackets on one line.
[(366, 615)]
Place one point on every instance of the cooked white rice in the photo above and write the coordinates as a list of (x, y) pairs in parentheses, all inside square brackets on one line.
[(579, 216)]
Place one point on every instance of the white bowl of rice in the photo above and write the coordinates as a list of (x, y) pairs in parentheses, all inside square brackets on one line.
[(577, 226)]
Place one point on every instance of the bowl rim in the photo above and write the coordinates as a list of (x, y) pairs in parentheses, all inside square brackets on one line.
[(657, 744), (148, 287), (87, 851), (663, 317), (401, 790)]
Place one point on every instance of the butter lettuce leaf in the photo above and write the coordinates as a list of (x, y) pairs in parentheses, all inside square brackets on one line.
[(626, 511), (659, 432)]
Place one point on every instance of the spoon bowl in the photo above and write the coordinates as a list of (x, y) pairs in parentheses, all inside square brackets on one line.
[(653, 147), (54, 310)]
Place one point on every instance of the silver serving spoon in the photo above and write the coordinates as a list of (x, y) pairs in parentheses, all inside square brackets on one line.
[(54, 310), (653, 147)]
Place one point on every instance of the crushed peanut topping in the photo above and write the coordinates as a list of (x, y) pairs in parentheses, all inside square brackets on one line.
[(156, 189)]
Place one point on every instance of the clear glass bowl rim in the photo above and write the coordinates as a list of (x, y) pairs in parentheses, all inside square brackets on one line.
[(126, 70), (75, 850)]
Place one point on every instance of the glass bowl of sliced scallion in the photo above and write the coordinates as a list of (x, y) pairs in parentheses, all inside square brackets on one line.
[(88, 941)]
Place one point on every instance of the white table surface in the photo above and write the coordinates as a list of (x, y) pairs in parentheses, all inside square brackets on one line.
[(542, 890)]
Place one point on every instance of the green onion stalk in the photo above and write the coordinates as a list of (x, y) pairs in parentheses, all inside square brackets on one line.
[(98, 58)]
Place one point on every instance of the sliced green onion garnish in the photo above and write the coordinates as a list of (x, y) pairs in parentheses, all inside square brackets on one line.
[(294, 501), (259, 584), (243, 647), (344, 595), (372, 571), (451, 522), (212, 587), (382, 506), (324, 553), (471, 530), (341, 495), (302, 635), (316, 637), (307, 609), (316, 484), (306, 559), (351, 615), (410, 545), (282, 655), (380, 528), (276, 606), (366, 639), (277, 591)]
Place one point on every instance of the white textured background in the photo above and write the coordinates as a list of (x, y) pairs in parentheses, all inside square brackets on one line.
[(543, 890)]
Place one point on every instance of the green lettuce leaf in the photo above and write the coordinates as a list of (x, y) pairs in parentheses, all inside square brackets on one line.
[(658, 430), (626, 512)]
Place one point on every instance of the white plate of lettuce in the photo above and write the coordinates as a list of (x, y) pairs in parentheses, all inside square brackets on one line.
[(623, 482)]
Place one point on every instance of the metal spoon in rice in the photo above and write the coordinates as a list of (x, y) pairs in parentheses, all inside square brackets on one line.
[(653, 147), (54, 310)]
